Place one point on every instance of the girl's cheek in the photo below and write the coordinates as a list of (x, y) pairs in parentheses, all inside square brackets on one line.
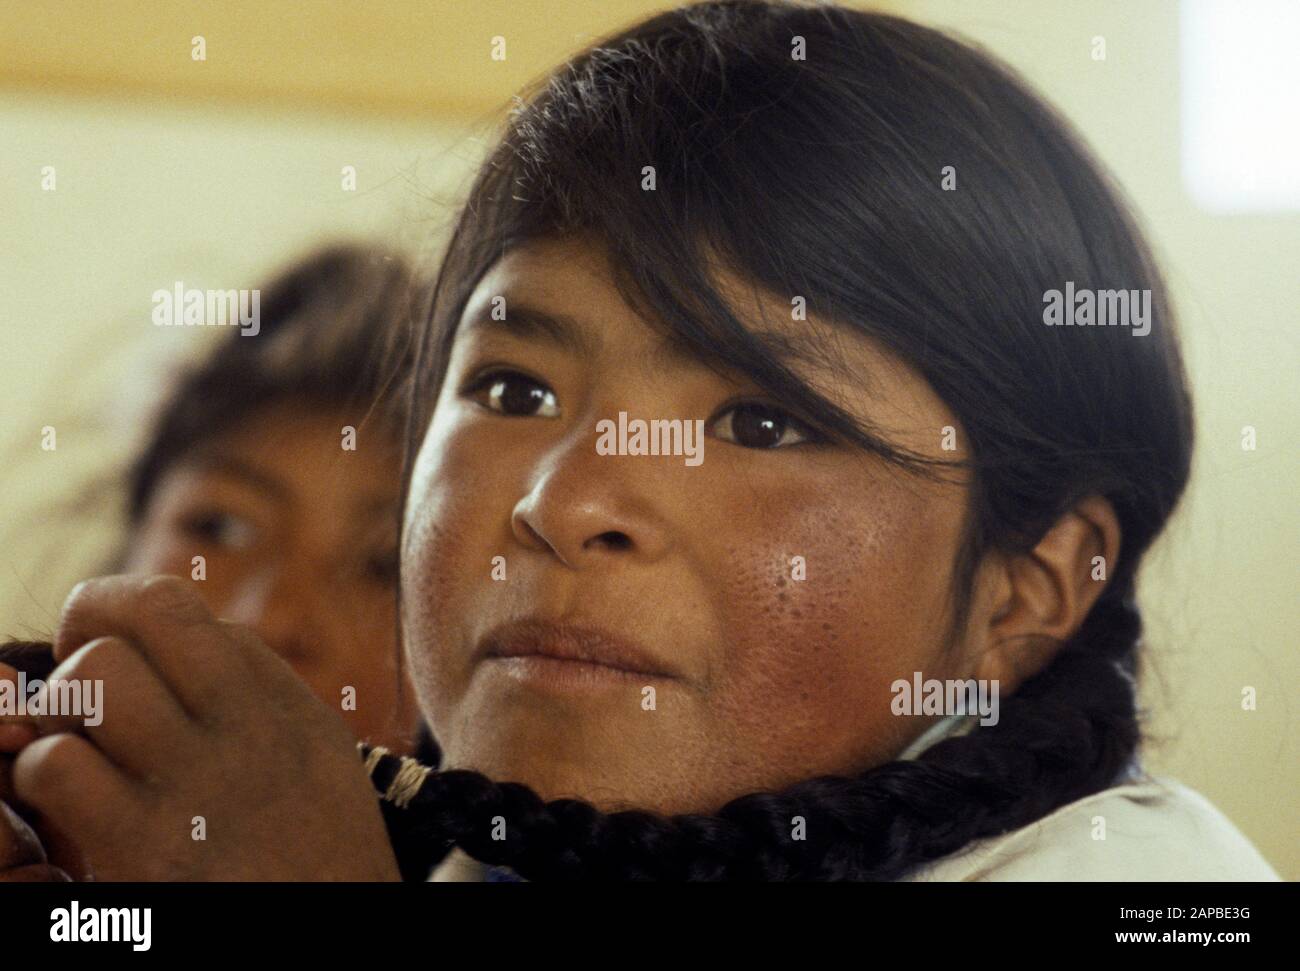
[(823, 608), (435, 570), (439, 516), (457, 521)]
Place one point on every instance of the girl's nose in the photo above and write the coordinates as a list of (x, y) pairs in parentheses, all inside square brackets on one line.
[(584, 507)]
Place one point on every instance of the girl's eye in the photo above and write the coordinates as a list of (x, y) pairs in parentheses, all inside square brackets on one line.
[(754, 425), (222, 529), (512, 393)]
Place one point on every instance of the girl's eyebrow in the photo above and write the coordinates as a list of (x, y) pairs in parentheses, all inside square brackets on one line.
[(526, 322)]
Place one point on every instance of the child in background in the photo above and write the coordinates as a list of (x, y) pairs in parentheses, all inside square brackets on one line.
[(251, 466)]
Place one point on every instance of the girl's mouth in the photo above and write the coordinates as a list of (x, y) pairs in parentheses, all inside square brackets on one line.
[(539, 670), (569, 655)]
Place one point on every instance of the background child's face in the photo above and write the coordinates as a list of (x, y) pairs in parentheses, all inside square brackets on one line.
[(774, 679), (299, 539)]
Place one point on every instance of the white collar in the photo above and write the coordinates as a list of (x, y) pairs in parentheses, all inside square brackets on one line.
[(950, 726)]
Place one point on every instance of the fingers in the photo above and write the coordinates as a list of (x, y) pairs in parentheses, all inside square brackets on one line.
[(167, 624), (17, 730), (18, 844), (34, 873), (73, 699), (13, 738), (61, 851), (109, 667), (68, 780)]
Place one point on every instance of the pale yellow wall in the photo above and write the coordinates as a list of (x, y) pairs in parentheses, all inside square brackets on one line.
[(209, 173), (426, 58), (146, 197)]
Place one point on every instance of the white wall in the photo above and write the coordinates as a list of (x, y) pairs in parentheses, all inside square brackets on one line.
[(146, 196)]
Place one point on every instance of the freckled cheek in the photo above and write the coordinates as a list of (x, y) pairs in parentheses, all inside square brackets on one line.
[(808, 663), (806, 684), (437, 567), (457, 520)]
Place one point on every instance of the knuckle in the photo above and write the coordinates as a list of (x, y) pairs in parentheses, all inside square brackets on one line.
[(100, 660), (50, 765), (82, 593), (248, 647), (165, 594)]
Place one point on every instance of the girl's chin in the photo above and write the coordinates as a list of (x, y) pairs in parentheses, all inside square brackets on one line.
[(549, 781), (606, 780)]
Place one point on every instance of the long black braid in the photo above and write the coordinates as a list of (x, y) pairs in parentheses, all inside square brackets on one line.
[(1063, 735)]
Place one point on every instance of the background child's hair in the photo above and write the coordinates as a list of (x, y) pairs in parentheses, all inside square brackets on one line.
[(822, 177), (335, 329)]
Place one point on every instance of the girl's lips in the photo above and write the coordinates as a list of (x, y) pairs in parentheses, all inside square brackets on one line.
[(550, 672), (567, 651)]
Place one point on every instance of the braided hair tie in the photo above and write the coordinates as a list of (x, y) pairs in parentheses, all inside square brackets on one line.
[(415, 827), (397, 779)]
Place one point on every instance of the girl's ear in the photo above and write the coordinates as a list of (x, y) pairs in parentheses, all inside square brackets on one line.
[(1035, 601)]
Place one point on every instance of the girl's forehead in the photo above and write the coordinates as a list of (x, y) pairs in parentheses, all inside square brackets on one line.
[(567, 274), (569, 284)]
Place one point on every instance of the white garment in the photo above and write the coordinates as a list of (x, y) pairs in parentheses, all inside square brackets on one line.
[(1141, 829), (458, 867), (1154, 829)]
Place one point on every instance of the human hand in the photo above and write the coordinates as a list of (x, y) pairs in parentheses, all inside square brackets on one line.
[(212, 761)]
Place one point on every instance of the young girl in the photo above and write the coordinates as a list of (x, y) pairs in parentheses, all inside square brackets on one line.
[(824, 240)]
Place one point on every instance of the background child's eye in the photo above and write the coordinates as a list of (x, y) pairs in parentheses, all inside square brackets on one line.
[(512, 393), (221, 529), (755, 425)]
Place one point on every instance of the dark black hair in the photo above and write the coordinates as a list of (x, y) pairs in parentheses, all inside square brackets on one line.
[(823, 176)]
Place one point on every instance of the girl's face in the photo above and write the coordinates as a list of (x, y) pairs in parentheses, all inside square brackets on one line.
[(299, 541), (750, 611)]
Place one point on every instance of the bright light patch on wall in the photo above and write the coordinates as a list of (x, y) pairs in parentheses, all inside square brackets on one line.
[(1241, 104)]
